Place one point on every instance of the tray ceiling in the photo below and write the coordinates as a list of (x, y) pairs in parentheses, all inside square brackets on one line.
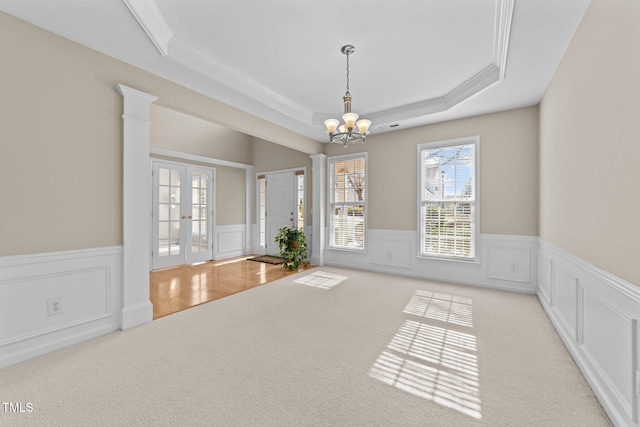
[(416, 62)]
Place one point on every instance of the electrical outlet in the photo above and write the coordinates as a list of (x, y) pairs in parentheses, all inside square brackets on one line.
[(638, 383), (54, 306), (513, 268)]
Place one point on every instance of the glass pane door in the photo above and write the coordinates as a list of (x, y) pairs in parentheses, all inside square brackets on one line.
[(199, 245), (168, 233), (182, 214)]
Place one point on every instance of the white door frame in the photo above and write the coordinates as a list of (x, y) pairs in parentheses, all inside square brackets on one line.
[(256, 237), (185, 256)]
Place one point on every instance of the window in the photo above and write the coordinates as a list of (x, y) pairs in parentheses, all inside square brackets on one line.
[(347, 201), (448, 210), (262, 210), (300, 200)]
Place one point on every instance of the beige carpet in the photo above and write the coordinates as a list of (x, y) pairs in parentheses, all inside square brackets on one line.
[(341, 348)]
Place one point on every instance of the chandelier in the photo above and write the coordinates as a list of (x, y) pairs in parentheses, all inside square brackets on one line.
[(353, 131)]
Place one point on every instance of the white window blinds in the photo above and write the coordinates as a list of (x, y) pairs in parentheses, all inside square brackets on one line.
[(348, 201), (448, 199)]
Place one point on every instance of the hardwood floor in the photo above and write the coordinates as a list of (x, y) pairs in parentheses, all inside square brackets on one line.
[(179, 288)]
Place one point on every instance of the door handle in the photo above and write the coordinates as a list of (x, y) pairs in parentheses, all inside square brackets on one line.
[(183, 217)]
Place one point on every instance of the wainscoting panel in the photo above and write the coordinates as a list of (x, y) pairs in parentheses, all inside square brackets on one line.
[(230, 241), (506, 262), (596, 315), (565, 297), (545, 266), (392, 248), (607, 342), (510, 264), (85, 286)]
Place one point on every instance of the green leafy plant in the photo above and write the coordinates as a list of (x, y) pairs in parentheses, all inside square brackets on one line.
[(293, 247)]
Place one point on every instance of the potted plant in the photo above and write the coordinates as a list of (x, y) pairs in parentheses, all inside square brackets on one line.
[(293, 247)]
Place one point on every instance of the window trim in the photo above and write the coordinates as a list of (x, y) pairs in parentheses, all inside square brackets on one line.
[(475, 234), (330, 161)]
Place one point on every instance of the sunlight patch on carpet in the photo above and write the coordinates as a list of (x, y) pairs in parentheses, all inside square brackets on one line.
[(433, 362), (321, 279), (440, 306)]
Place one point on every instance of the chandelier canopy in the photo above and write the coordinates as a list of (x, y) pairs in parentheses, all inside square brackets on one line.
[(353, 131)]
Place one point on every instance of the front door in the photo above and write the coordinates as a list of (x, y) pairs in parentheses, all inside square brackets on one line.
[(280, 206), (182, 214)]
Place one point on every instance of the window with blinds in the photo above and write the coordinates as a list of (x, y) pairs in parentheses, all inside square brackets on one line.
[(262, 210), (347, 201), (448, 214)]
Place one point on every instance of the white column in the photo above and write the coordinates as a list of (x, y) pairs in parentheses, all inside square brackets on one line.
[(137, 308), (250, 198), (319, 176)]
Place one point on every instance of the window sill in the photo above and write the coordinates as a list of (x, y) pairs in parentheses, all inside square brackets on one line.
[(356, 250), (461, 260)]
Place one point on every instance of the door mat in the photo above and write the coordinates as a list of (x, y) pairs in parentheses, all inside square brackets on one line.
[(268, 259)]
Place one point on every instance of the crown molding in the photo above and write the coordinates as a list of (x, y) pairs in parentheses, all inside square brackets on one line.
[(152, 22), (155, 26), (502, 34), (187, 56), (488, 76)]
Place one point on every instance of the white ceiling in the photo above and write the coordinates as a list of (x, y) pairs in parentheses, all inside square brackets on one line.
[(416, 61)]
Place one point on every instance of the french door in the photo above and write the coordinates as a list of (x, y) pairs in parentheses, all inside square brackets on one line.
[(182, 214)]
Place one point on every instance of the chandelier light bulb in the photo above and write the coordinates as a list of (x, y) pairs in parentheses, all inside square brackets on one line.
[(332, 125), (363, 126), (350, 120)]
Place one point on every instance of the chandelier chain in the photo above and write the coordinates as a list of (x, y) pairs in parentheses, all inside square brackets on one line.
[(347, 72)]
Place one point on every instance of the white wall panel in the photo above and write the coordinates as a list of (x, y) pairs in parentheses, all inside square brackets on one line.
[(230, 241), (89, 284), (85, 296), (545, 266), (511, 264), (607, 342), (604, 340), (392, 248), (395, 252), (565, 297)]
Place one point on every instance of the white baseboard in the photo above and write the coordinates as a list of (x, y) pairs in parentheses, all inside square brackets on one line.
[(88, 284), (596, 315), (136, 314), (506, 262)]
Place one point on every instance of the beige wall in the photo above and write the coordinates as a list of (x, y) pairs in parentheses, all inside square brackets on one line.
[(61, 138), (590, 142), (508, 171), (230, 195), (176, 131)]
